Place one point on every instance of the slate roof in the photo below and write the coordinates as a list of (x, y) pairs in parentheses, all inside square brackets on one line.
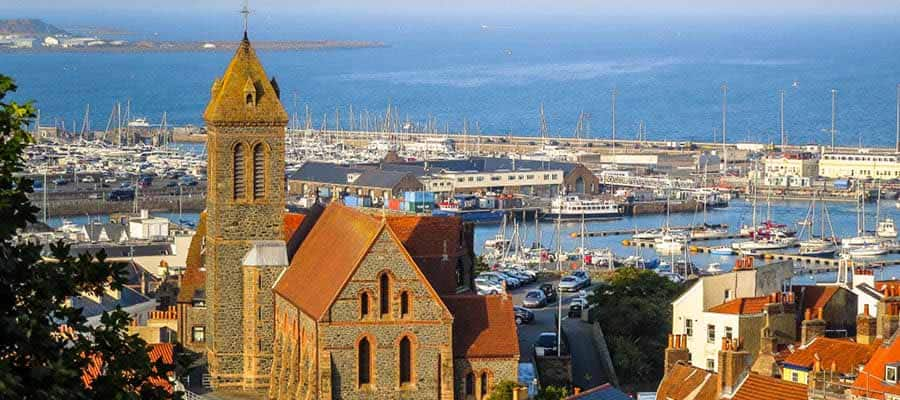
[(602, 392), (369, 175), (759, 387), (90, 308), (742, 306), (845, 355), (492, 164), (686, 382), (483, 326), (227, 103)]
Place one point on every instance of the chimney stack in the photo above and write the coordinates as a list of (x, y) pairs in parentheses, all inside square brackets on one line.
[(866, 327), (887, 312), (676, 351), (732, 366), (811, 328)]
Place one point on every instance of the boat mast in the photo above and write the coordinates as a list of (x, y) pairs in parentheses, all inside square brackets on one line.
[(559, 270), (582, 237)]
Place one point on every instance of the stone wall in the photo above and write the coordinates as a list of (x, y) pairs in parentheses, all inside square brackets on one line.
[(240, 312), (428, 325), (493, 370), (189, 317), (294, 373)]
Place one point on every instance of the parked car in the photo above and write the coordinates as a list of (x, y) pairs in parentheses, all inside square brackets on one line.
[(109, 179), (583, 275), (523, 315), (121, 195), (575, 310), (579, 301), (518, 275), (549, 292), (87, 179), (484, 286), (546, 344), (510, 281), (60, 182), (570, 284), (534, 299)]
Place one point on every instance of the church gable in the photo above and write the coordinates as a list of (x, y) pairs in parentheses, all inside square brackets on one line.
[(387, 285)]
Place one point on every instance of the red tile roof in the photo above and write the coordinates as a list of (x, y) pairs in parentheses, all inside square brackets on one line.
[(428, 239), (815, 297), (292, 222), (194, 275), (743, 305), (686, 382), (846, 356), (327, 258), (759, 387), (871, 382), (483, 326), (157, 351)]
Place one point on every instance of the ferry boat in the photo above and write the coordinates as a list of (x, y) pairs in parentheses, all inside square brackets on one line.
[(575, 208)]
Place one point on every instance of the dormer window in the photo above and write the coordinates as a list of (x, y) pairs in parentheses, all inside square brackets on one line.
[(890, 372), (249, 99)]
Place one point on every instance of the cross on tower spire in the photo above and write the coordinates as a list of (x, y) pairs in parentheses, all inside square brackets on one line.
[(245, 11)]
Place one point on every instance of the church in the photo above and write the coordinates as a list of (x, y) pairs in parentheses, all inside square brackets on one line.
[(335, 303)]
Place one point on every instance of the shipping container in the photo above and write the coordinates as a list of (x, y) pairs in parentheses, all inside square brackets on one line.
[(841, 184), (394, 204)]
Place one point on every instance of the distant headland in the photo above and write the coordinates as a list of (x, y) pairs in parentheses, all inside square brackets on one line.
[(36, 35)]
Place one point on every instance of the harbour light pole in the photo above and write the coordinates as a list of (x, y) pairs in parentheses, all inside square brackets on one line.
[(724, 127), (833, 115), (898, 118), (781, 112)]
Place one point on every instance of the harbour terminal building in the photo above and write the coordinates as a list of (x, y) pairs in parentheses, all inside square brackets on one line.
[(443, 177), (335, 303), (860, 165), (790, 169)]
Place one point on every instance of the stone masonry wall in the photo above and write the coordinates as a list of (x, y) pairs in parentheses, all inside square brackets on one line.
[(240, 315), (427, 325), (294, 369), (494, 369)]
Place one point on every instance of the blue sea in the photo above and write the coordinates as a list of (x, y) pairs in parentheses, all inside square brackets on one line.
[(498, 71)]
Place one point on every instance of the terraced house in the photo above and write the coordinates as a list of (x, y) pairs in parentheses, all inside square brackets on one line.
[(334, 303)]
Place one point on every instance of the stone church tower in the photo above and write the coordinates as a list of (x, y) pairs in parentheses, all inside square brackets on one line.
[(244, 243)]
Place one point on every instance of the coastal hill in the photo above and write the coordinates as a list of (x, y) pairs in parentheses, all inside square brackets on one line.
[(29, 27)]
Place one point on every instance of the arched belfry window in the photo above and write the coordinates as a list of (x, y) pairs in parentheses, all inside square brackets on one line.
[(364, 305), (238, 167), (259, 171)]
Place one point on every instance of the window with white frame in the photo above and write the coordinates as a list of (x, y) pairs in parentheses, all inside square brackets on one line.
[(689, 327), (711, 364), (710, 333), (890, 372)]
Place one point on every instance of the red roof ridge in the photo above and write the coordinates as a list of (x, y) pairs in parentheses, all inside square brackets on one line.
[(742, 305)]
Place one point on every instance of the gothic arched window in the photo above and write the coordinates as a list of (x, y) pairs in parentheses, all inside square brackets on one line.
[(364, 362), (259, 171), (404, 304), (384, 293), (406, 362), (364, 305), (238, 165)]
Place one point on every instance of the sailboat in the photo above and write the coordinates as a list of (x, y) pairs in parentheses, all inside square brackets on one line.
[(766, 236), (670, 242), (707, 230), (863, 244), (817, 246)]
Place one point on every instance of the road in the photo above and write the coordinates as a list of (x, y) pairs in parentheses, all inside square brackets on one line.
[(586, 369)]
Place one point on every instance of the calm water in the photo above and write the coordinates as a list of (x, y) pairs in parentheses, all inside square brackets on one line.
[(843, 216), (668, 72)]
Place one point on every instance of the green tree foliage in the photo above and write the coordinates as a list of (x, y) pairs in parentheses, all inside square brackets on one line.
[(635, 313), (503, 390), (552, 393), (46, 345)]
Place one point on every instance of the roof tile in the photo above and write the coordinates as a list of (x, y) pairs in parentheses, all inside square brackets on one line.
[(482, 326)]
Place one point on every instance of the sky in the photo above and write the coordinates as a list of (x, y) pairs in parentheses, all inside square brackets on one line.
[(799, 8)]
